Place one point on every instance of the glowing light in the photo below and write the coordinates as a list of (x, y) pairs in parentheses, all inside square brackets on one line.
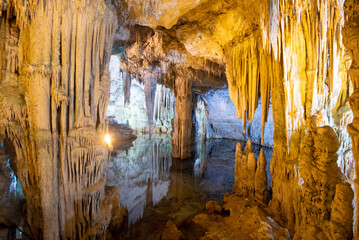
[(108, 140)]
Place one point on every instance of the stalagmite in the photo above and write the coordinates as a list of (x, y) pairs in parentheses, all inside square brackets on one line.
[(250, 177), (261, 179)]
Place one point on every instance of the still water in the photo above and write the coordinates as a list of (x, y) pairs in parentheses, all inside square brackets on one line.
[(156, 188)]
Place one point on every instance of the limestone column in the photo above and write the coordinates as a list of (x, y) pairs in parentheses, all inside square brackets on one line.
[(351, 42), (181, 138)]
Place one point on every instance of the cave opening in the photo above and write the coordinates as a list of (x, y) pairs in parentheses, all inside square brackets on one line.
[(179, 119)]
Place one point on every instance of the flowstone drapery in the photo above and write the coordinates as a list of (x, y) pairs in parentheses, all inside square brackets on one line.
[(54, 90)]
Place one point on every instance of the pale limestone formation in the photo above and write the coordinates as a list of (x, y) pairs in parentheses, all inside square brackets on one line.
[(54, 90), (250, 177)]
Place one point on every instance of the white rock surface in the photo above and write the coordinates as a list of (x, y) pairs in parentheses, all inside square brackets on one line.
[(216, 118)]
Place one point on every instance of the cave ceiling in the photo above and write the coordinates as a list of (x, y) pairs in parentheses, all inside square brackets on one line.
[(185, 36)]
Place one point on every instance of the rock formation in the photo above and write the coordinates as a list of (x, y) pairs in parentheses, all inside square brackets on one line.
[(250, 177), (261, 180), (313, 188), (350, 38), (183, 118), (54, 92)]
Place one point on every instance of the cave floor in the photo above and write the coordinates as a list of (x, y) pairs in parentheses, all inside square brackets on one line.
[(156, 188)]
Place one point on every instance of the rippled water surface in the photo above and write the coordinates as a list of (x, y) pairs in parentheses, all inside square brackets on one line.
[(156, 188)]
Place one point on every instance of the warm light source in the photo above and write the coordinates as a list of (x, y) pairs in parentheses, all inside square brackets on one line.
[(108, 140)]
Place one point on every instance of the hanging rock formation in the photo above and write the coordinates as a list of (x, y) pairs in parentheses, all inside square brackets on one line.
[(54, 90)]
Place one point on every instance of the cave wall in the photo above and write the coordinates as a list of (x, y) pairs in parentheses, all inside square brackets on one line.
[(211, 124), (54, 90)]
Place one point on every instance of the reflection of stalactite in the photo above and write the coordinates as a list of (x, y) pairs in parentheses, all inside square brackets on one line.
[(200, 164)]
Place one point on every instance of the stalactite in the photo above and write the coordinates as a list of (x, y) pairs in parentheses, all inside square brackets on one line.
[(313, 75), (150, 80), (243, 82), (310, 58), (126, 88), (57, 116)]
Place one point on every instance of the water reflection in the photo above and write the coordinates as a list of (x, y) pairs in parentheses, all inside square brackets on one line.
[(142, 173), (156, 188)]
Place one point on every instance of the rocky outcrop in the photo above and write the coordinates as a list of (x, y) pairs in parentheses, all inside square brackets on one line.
[(54, 89)]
